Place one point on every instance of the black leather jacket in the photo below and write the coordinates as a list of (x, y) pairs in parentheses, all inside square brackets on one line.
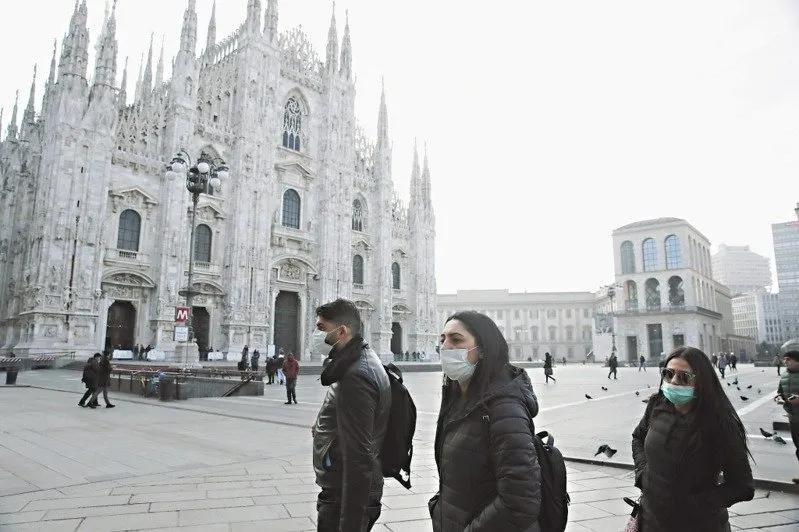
[(348, 435)]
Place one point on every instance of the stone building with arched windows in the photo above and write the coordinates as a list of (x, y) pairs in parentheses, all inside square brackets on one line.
[(665, 295), (94, 248)]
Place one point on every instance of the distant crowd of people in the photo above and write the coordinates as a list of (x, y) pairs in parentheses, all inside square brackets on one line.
[(285, 368)]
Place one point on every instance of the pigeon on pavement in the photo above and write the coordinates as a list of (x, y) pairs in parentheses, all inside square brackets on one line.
[(766, 434), (779, 439), (605, 448), (588, 396), (749, 387), (637, 392), (605, 389), (744, 398)]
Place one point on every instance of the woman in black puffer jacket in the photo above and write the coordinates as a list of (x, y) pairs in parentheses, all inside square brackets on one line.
[(489, 477), (690, 435)]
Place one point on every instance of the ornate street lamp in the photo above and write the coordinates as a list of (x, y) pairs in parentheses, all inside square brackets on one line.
[(611, 296), (199, 177)]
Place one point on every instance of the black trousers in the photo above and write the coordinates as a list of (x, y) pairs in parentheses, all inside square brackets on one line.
[(612, 372), (328, 507), (89, 393), (795, 436), (291, 389)]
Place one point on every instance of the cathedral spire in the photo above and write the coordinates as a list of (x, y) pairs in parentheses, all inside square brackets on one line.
[(159, 71), (30, 112), (382, 117), (12, 126), (211, 38), (332, 43), (188, 35), (48, 87), (346, 51), (137, 92), (253, 22), (147, 80), (426, 181), (105, 66), (75, 49), (270, 21), (123, 87), (416, 187)]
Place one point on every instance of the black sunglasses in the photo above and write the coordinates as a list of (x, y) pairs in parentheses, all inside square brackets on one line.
[(683, 377)]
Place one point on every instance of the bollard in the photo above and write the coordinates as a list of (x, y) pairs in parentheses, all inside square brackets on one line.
[(11, 375)]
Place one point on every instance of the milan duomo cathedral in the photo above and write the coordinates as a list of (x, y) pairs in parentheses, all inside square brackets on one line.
[(94, 241)]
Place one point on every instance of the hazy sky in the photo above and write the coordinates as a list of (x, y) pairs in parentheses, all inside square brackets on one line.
[(550, 123)]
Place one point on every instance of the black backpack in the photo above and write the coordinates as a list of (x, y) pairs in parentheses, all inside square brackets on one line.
[(554, 497), (397, 448)]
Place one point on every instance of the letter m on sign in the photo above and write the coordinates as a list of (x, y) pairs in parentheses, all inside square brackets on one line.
[(181, 314)]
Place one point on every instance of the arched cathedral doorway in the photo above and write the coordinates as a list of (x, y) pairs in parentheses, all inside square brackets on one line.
[(120, 325), (287, 312), (396, 338)]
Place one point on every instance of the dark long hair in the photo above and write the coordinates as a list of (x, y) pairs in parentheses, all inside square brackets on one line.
[(493, 352), (716, 418)]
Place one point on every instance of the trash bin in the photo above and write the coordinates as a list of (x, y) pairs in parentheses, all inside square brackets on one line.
[(11, 375), (166, 388)]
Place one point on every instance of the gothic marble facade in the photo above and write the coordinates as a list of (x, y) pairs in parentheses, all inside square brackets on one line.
[(95, 231)]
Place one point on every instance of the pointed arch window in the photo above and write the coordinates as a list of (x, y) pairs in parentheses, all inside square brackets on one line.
[(357, 269), (357, 215), (202, 243), (396, 276), (129, 230), (291, 209), (673, 253), (292, 124), (650, 255), (627, 257)]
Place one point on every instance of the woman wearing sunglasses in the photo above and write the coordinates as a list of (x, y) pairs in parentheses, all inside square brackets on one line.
[(489, 477), (689, 435)]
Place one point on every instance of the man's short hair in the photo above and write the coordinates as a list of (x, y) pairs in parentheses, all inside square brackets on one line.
[(793, 355), (341, 312)]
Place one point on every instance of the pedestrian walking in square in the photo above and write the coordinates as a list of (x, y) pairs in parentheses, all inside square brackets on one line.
[(490, 478), (271, 367), (733, 363), (90, 376), (688, 437), (641, 363), (548, 369), (291, 369), (351, 425), (613, 364), (788, 392), (103, 380), (722, 365), (254, 360), (778, 363), (281, 376)]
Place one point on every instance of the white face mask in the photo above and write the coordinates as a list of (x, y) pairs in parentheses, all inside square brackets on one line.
[(455, 364), (319, 345)]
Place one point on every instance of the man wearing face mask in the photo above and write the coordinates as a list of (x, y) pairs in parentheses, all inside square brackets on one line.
[(351, 424)]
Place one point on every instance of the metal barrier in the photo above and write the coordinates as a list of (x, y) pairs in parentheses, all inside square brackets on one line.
[(37, 361), (178, 385)]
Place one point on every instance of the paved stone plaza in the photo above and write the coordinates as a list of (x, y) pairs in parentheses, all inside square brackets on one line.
[(244, 463)]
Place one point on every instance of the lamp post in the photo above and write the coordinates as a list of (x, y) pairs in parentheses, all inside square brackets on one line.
[(611, 295), (199, 177)]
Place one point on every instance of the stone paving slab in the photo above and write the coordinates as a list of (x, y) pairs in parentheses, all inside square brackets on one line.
[(226, 474)]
